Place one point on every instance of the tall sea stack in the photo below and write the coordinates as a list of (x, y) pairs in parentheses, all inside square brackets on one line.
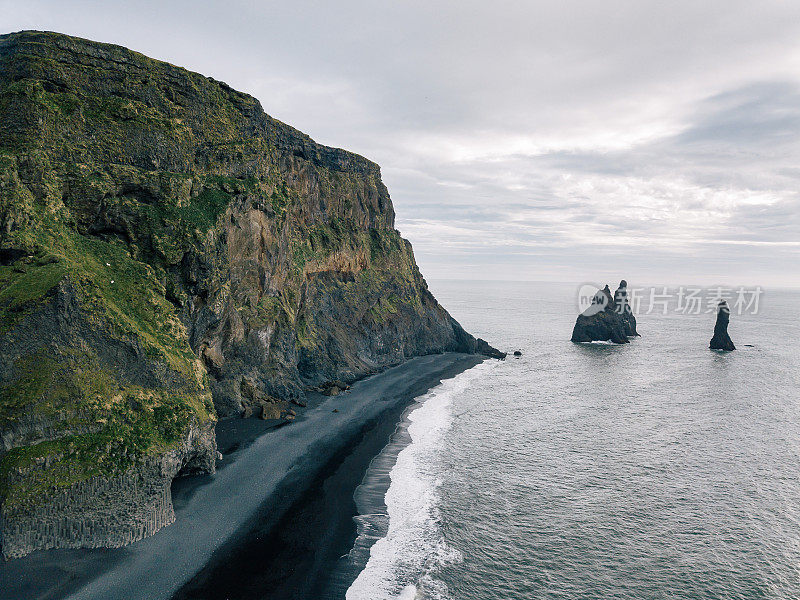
[(623, 307), (721, 339), (170, 254)]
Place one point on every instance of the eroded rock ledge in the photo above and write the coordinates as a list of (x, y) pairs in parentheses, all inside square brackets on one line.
[(106, 512)]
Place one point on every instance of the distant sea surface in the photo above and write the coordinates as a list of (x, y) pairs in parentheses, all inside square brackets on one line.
[(656, 469)]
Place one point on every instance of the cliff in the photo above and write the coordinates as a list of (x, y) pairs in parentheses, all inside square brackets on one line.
[(168, 254)]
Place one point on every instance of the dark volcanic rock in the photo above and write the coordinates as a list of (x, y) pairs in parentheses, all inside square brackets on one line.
[(333, 388), (609, 302), (481, 346), (604, 320), (721, 339), (169, 253), (601, 327), (622, 306)]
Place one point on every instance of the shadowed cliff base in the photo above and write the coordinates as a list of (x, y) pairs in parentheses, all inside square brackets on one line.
[(277, 500)]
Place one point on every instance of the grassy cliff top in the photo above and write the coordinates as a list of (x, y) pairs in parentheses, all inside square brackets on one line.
[(214, 112)]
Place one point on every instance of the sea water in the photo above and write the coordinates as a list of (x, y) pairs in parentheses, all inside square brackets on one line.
[(656, 469)]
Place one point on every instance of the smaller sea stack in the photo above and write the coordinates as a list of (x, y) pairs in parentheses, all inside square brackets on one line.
[(721, 339)]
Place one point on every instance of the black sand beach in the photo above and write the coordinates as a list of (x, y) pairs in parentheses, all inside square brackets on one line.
[(270, 524)]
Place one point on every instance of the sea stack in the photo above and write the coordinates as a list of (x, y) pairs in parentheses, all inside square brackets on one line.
[(602, 321), (623, 307), (721, 339)]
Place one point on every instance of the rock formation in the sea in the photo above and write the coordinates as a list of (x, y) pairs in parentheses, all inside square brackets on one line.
[(721, 339), (170, 253), (623, 307), (606, 319)]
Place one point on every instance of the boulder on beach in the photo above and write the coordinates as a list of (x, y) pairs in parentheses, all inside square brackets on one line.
[(333, 388), (721, 339)]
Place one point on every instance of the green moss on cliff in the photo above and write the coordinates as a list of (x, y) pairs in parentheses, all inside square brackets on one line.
[(267, 311), (173, 228), (119, 293), (99, 426), (24, 285)]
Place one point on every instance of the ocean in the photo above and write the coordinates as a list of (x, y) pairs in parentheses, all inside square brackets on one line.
[(655, 469)]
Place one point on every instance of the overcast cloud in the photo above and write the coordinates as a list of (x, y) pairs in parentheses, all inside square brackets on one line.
[(558, 140)]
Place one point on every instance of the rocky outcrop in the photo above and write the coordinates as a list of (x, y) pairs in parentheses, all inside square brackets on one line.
[(721, 339), (170, 253), (623, 307), (333, 388), (104, 511), (93, 429), (600, 327), (608, 318)]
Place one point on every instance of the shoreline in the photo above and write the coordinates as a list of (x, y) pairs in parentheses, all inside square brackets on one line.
[(280, 528), (372, 516), (298, 555)]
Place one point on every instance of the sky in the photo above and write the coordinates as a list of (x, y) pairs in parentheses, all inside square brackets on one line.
[(551, 141)]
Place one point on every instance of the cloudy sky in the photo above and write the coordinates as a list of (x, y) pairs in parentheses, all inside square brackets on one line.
[(560, 140)]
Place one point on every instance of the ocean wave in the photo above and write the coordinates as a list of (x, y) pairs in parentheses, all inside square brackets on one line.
[(402, 564)]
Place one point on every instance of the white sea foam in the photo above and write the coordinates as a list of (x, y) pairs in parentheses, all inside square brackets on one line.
[(403, 564)]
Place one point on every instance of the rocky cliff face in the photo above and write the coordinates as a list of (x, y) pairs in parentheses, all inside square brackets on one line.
[(170, 253)]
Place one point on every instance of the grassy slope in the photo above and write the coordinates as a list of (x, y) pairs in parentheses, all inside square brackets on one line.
[(117, 423)]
